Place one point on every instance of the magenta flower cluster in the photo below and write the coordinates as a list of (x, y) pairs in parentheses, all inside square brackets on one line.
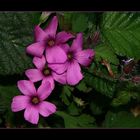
[(54, 60)]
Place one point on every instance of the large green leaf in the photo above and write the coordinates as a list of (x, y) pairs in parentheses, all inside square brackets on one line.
[(16, 33), (122, 31), (122, 119)]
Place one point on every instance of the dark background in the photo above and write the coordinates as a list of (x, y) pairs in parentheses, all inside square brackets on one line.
[(69, 5)]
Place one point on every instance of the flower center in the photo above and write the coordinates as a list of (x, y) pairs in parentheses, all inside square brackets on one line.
[(35, 100), (70, 56), (46, 71), (51, 42)]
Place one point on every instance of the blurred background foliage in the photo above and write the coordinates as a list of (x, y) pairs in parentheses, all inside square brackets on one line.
[(109, 94)]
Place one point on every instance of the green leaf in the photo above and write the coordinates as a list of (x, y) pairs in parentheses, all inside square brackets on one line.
[(73, 109), (16, 33), (65, 95), (122, 32), (122, 119), (79, 23), (83, 87), (105, 52), (83, 120), (103, 85), (122, 98)]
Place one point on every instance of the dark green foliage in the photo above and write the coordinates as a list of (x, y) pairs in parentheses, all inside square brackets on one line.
[(96, 109), (105, 52), (80, 23), (122, 98), (106, 95), (16, 33), (6, 95), (104, 86), (77, 22), (122, 119), (83, 120), (65, 95)]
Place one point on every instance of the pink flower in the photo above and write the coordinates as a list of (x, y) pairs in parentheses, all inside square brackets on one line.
[(51, 42), (33, 101), (75, 56), (44, 72)]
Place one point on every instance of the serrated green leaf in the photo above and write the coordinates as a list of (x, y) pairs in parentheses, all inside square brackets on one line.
[(16, 33), (83, 120), (121, 119), (122, 32)]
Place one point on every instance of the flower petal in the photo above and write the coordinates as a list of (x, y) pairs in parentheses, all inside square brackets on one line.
[(60, 78), (26, 87), (36, 49), (59, 68), (50, 80), (31, 114), (52, 27), (77, 43), (34, 75), (63, 37), (39, 62), (44, 90), (40, 35), (55, 54), (74, 74), (46, 108), (19, 103), (66, 48), (85, 57)]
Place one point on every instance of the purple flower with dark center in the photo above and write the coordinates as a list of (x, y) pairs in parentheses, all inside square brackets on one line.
[(47, 40), (44, 72), (75, 57), (33, 101)]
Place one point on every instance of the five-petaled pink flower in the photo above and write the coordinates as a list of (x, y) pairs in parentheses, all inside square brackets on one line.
[(47, 40), (44, 72), (75, 56), (33, 101)]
